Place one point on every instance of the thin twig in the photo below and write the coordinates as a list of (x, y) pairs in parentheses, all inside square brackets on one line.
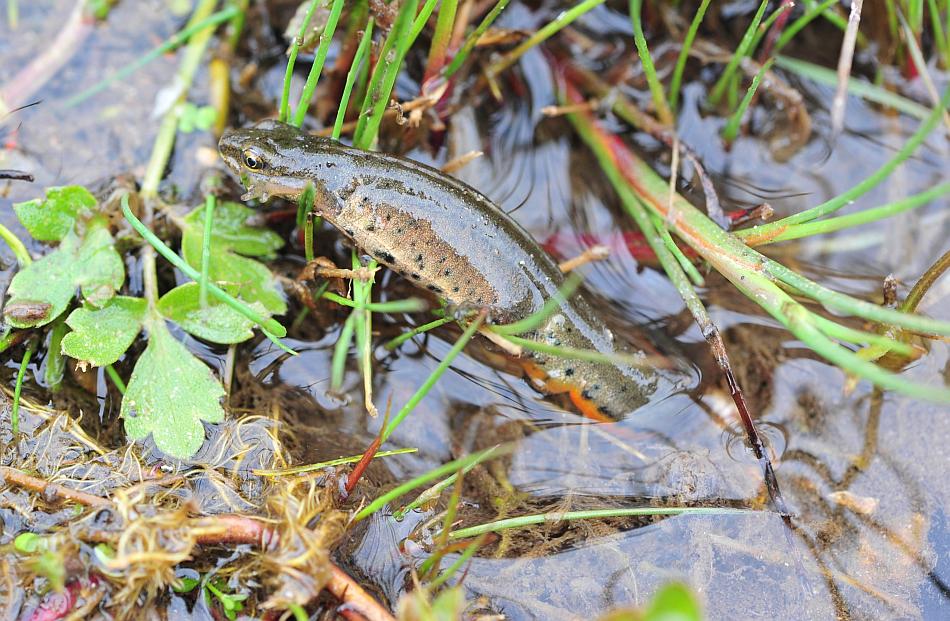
[(15, 175), (598, 252), (844, 67), (12, 476)]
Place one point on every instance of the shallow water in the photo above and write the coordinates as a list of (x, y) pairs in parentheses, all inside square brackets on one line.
[(861, 472)]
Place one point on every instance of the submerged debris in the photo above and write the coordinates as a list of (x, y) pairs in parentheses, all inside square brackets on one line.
[(121, 528)]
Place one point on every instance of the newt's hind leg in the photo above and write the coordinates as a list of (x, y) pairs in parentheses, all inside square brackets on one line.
[(557, 387)]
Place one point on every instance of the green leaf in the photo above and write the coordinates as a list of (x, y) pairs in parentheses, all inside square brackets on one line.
[(673, 602), (449, 604), (251, 280), (99, 270), (216, 322), (169, 394), (51, 218), (29, 543), (230, 231), (41, 291), (231, 238), (192, 118), (101, 336), (232, 603), (186, 585), (52, 566)]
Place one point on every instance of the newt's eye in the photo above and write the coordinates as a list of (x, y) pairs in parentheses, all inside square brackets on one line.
[(253, 159)]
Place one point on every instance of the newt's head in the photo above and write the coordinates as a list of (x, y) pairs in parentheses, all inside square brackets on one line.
[(272, 158)]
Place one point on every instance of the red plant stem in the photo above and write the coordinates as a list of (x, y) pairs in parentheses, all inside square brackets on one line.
[(35, 75), (357, 603), (776, 30), (361, 466)]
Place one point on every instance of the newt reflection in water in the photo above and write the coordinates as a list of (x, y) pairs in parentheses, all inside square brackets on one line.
[(444, 235)]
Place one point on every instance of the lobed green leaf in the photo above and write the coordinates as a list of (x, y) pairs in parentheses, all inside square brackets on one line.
[(41, 291), (233, 241), (230, 230), (169, 394), (101, 335), (51, 218), (216, 322)]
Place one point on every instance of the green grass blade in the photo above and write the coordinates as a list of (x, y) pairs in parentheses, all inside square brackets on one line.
[(22, 255), (836, 203), (451, 570), (532, 321), (858, 88), (744, 49), (339, 461), (440, 38), (767, 24), (384, 76), (409, 305), (114, 376), (358, 57), (543, 34), (340, 350), (168, 128), (649, 70), (731, 130), (206, 250), (850, 335), (459, 59), (859, 308), (284, 110), (18, 386), (431, 493), (865, 216), (685, 264), (422, 18), (405, 336), (940, 33), (806, 18), (362, 292), (829, 14), (677, 79), (801, 323), (591, 514), (441, 471), (325, 39), (433, 377)]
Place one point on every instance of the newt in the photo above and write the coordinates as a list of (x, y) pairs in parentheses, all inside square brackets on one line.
[(449, 238)]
